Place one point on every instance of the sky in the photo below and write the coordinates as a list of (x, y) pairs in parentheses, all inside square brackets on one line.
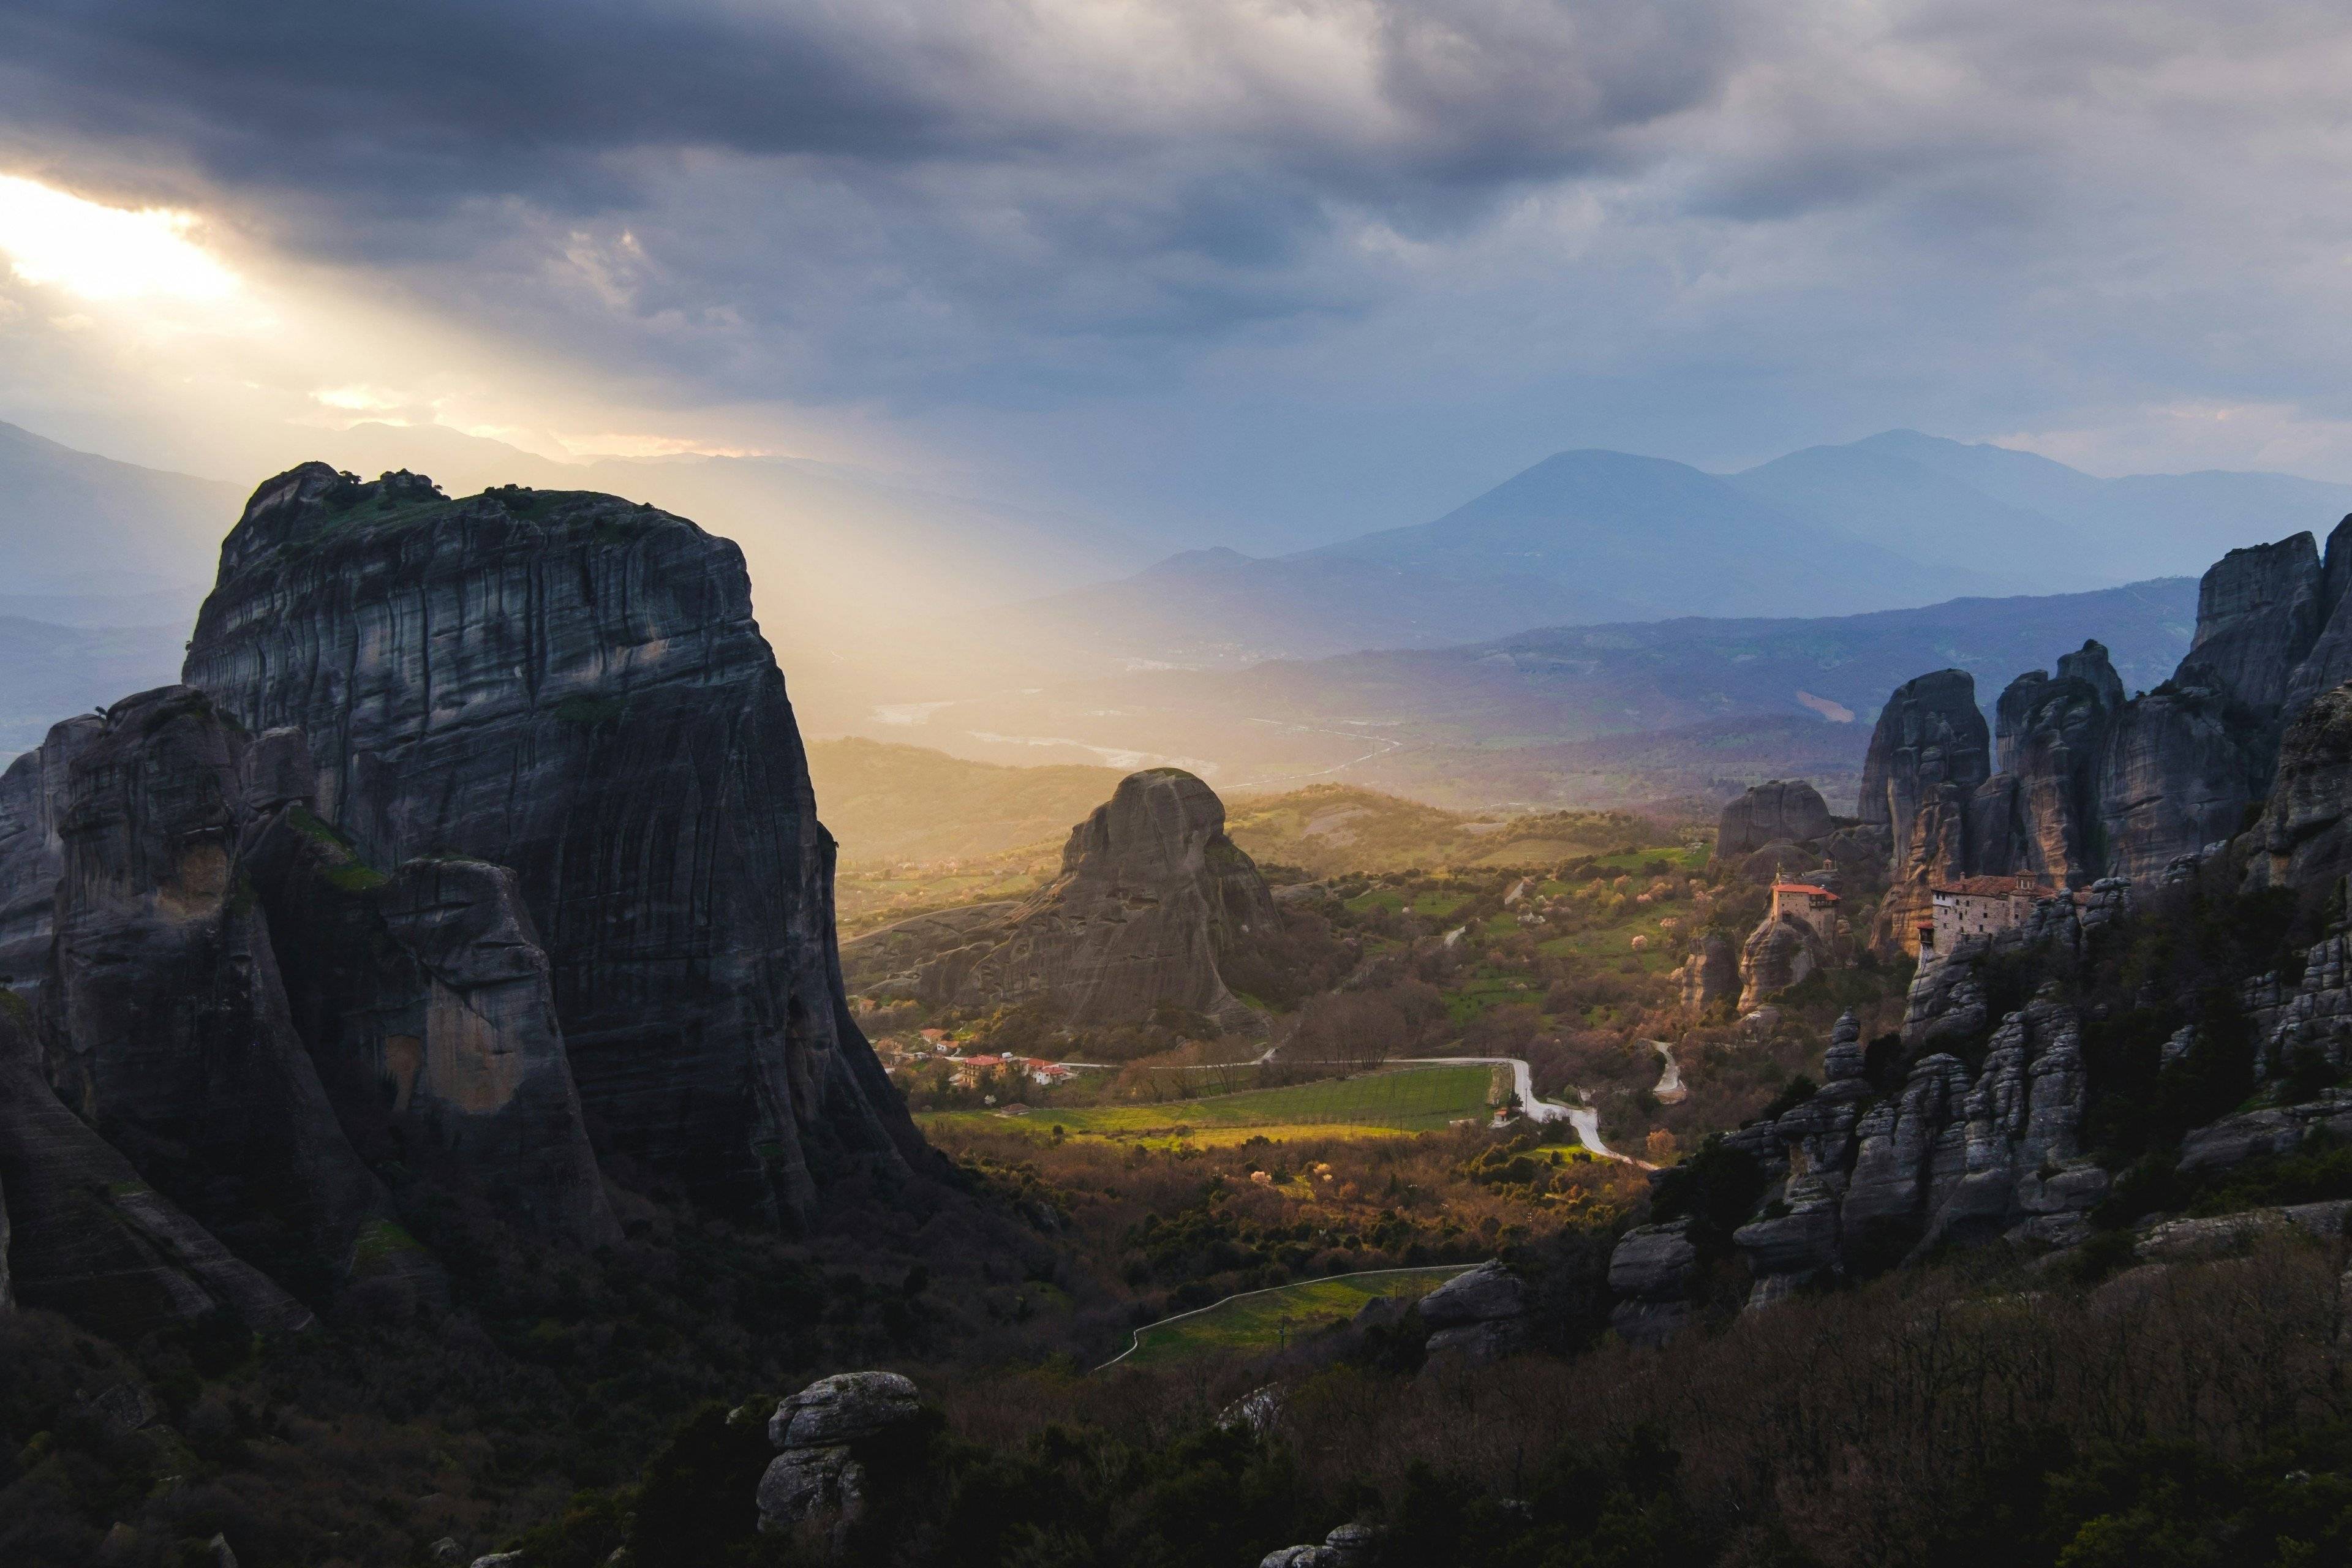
[(1258, 272)]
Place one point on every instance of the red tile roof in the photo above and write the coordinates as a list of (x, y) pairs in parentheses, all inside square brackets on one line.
[(1996, 887), (1803, 888)]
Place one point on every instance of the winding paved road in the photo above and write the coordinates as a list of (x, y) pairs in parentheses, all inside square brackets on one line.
[(1583, 1118)]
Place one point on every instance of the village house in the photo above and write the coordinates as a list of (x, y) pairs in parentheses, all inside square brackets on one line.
[(1980, 906)]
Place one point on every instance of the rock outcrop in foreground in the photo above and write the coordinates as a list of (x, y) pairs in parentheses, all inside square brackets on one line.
[(817, 1478), (478, 851), (1151, 900)]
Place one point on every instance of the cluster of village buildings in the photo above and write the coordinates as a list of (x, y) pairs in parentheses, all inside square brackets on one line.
[(932, 1045)]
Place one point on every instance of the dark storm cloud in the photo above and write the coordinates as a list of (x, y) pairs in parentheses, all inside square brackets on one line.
[(896, 198), (428, 99), (1708, 227)]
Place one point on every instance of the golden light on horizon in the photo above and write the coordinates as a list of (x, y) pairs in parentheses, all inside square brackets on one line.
[(104, 253)]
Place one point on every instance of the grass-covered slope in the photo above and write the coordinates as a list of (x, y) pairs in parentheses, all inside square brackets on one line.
[(1386, 1104)]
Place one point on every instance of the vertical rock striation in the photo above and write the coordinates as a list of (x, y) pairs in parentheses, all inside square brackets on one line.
[(1929, 755), (32, 851), (574, 687)]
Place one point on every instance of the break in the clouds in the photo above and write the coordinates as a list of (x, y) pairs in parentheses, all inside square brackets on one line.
[(1305, 265)]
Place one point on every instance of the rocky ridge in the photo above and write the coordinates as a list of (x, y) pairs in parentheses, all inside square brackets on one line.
[(2081, 782)]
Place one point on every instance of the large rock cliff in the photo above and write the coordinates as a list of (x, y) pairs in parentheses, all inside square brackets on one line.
[(1152, 898), (1929, 755), (254, 990), (572, 685), (2091, 784)]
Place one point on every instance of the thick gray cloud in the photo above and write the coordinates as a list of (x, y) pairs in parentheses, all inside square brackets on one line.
[(1306, 265)]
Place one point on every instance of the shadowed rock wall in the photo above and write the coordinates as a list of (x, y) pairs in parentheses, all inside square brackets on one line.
[(574, 687)]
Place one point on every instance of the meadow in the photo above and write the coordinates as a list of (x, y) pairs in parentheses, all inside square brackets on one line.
[(1371, 1105), (1269, 1319)]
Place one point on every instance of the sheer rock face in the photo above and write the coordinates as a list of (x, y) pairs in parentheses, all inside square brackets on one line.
[(1778, 811), (574, 687), (2177, 776), (86, 1234), (166, 1020), (1711, 972), (427, 1000), (1779, 954), (2259, 613), (32, 851), (1151, 898), (2305, 840), (1929, 753), (2052, 743)]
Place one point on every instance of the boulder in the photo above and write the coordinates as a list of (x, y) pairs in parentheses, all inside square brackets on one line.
[(1651, 1271), (816, 1477), (1486, 1294), (844, 1408), (1476, 1344), (1774, 812), (1348, 1546)]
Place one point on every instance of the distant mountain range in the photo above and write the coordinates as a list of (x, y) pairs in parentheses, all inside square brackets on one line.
[(1570, 716), (1591, 537), (108, 542)]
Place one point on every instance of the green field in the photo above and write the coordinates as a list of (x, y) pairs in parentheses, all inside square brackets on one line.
[(1378, 1104), (1266, 1319)]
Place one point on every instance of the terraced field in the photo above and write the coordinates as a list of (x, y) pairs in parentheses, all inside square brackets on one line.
[(1372, 1105)]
